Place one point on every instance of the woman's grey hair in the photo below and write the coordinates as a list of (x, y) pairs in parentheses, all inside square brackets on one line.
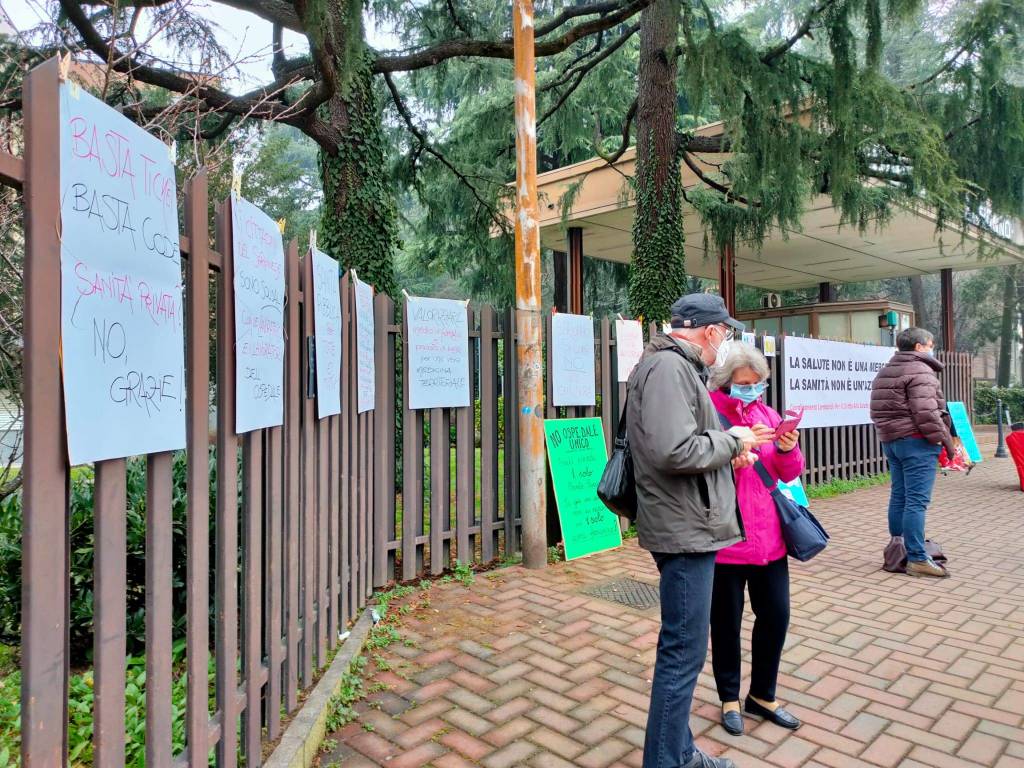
[(741, 355)]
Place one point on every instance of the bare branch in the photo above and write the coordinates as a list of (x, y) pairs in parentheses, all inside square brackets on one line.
[(502, 49), (772, 54), (627, 128), (716, 185), (946, 66)]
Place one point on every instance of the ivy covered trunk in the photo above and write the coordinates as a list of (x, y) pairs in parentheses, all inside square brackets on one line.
[(657, 276), (359, 220)]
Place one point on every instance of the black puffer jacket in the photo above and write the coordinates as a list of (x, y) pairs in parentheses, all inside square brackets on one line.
[(907, 400)]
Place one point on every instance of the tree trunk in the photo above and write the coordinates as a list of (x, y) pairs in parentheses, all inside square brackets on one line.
[(359, 222), (1007, 332), (917, 299), (658, 273)]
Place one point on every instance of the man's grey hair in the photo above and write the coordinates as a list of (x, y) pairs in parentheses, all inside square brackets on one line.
[(741, 355), (911, 337)]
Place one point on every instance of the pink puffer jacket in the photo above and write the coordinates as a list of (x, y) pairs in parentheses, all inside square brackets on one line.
[(764, 542)]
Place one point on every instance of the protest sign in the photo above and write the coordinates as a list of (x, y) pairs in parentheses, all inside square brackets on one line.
[(577, 456), (122, 332), (327, 326), (748, 337), (438, 353), (831, 380), (572, 360), (258, 263), (768, 346), (962, 427), (366, 373), (629, 346)]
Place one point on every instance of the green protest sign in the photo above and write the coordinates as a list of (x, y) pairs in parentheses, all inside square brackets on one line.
[(577, 456)]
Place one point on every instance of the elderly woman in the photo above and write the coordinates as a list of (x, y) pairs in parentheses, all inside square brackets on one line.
[(759, 562)]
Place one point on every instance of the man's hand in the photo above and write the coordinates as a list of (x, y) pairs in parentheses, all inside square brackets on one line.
[(788, 441), (744, 460), (758, 434)]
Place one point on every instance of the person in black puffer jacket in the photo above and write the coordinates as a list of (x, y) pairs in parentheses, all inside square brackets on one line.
[(909, 412)]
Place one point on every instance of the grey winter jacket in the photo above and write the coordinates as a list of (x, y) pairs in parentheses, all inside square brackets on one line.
[(686, 497)]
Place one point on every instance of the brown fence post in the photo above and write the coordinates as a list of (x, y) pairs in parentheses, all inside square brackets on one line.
[(293, 480), (384, 440)]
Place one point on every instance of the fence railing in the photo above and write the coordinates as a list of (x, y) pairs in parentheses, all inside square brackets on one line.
[(302, 521)]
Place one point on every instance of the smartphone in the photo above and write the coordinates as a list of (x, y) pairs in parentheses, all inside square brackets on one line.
[(789, 423)]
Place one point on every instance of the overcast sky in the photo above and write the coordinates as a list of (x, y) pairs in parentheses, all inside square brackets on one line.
[(244, 34)]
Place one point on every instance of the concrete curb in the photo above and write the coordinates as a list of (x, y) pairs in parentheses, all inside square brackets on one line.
[(302, 739)]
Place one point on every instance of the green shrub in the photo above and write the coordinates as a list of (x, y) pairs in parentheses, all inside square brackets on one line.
[(985, 397), (81, 555)]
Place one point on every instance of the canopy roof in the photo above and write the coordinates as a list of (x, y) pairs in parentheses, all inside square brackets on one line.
[(821, 251)]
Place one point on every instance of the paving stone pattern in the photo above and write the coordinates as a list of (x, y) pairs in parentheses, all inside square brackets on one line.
[(522, 669)]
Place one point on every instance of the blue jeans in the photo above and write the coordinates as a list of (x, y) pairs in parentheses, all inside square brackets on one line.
[(913, 462), (686, 582)]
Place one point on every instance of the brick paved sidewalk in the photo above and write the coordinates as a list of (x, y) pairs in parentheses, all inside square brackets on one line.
[(521, 669)]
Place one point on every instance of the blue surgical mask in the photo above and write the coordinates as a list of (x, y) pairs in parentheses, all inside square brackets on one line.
[(748, 393)]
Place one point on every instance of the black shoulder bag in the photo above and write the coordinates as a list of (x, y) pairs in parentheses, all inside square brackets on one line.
[(617, 487)]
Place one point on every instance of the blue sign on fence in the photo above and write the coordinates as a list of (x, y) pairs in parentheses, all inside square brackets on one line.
[(962, 427)]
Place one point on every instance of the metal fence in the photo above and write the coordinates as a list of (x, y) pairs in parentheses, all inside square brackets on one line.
[(307, 518)]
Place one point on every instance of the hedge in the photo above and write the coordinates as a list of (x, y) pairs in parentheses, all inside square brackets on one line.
[(985, 397)]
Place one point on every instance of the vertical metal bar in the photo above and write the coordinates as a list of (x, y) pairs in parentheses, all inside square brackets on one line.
[(348, 355), (309, 488), (533, 463), (323, 528), (159, 554), (384, 441), (292, 452), (439, 486), (365, 508), (227, 500), (197, 369), (252, 562), (109, 612), (412, 465), (275, 543), (607, 382), (510, 392), (333, 513), (44, 548), (489, 436), (465, 459)]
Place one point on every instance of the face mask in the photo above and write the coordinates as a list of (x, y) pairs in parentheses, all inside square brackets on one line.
[(748, 393), (721, 353)]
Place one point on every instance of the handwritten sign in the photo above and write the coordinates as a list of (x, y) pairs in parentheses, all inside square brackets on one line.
[(122, 332), (748, 337), (327, 326), (366, 375), (769, 346), (962, 427), (438, 354), (629, 346), (572, 360), (259, 317), (831, 380), (577, 457)]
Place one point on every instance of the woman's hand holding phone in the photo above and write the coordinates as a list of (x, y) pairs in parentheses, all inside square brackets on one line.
[(788, 441)]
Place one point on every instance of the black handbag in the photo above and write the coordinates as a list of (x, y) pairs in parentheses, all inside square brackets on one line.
[(617, 487), (805, 537)]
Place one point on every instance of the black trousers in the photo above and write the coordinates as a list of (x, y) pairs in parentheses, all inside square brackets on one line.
[(769, 598)]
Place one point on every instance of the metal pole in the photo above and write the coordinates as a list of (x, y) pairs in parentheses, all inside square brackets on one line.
[(532, 463), (1000, 442)]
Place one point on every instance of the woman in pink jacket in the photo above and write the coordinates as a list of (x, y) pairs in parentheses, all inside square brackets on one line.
[(758, 563)]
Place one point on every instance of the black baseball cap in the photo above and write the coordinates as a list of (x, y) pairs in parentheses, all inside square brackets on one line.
[(695, 310)]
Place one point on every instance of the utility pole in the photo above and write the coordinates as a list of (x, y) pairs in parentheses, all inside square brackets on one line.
[(530, 379)]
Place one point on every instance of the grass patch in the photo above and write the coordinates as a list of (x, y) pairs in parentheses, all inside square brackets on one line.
[(839, 487)]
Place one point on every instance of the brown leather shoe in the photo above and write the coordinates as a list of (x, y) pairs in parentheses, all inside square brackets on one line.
[(926, 568)]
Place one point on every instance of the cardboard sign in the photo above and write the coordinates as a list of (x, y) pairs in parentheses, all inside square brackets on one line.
[(327, 326), (438, 353), (258, 263), (629, 346), (577, 456), (366, 373), (572, 360), (794, 490), (831, 380), (962, 427), (122, 319)]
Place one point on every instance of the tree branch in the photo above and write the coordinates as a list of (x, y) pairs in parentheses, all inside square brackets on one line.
[(426, 146), (627, 128), (502, 49), (699, 172), (946, 66), (453, 14), (772, 54)]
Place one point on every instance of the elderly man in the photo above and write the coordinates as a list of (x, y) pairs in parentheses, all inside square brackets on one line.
[(909, 412), (686, 506)]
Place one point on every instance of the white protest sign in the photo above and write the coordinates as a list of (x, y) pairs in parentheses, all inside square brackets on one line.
[(572, 360), (748, 337), (366, 373), (831, 380), (438, 353), (629, 346), (259, 317), (122, 333), (327, 327)]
